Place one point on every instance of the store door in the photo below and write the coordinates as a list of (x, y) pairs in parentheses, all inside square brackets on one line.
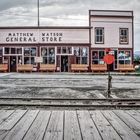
[(13, 63), (64, 63)]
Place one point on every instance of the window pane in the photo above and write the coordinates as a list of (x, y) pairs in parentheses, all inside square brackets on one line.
[(123, 35), (84, 52), (44, 51), (51, 52), (0, 60), (1, 51), (44, 60), (77, 60), (101, 54), (33, 51), (76, 51), (59, 50), (32, 60), (95, 54), (19, 50), (121, 61), (121, 55), (27, 51), (7, 50), (27, 60), (13, 50), (64, 50), (84, 60)]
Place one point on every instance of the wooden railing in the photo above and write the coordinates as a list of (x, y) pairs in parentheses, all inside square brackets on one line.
[(47, 67), (98, 67), (25, 68), (3, 67), (125, 67), (79, 67)]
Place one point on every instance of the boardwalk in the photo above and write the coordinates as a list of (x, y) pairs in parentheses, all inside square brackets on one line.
[(69, 125)]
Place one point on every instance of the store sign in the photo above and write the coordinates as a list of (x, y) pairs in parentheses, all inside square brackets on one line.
[(38, 59), (32, 36), (20, 37)]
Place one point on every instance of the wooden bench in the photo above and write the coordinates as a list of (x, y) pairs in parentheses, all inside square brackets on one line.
[(25, 68), (3, 67), (79, 67), (47, 67), (98, 67), (125, 67)]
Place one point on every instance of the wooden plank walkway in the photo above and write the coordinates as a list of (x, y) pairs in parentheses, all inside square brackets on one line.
[(69, 125)]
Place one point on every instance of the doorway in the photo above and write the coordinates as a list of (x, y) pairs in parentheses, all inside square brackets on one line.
[(64, 63), (13, 63)]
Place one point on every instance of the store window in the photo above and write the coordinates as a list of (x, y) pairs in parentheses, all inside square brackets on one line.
[(29, 55), (48, 55), (12, 50), (123, 35), (99, 35), (124, 57), (81, 54), (97, 57), (65, 50)]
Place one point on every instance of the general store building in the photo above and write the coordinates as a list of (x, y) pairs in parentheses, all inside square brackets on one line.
[(66, 49)]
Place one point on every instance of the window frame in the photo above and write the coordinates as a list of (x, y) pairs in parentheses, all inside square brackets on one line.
[(47, 56), (80, 55), (124, 59), (127, 31), (101, 42), (98, 59), (29, 56)]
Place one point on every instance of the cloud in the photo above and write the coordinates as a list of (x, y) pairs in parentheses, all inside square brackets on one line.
[(63, 12)]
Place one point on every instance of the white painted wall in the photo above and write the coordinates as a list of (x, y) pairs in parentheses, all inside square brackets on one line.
[(80, 36), (111, 31)]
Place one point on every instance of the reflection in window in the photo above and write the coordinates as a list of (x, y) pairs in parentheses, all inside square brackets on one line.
[(81, 55), (48, 55), (124, 57), (97, 57), (29, 55), (123, 35)]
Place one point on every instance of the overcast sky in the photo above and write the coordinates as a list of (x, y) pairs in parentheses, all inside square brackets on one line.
[(63, 12)]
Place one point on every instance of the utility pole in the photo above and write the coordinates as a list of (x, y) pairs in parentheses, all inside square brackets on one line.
[(38, 12)]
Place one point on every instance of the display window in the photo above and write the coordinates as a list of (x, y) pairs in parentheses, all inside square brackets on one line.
[(124, 57), (48, 55), (81, 54), (97, 57), (29, 55)]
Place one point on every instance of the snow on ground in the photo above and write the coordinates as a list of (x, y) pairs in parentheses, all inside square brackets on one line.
[(66, 85)]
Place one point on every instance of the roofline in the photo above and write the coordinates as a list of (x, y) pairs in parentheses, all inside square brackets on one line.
[(112, 10), (45, 27)]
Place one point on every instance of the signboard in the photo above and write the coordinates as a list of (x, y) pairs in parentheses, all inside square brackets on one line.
[(32, 36), (108, 59), (38, 59)]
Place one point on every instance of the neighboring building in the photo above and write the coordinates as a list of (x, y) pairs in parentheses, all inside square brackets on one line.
[(69, 48), (112, 29)]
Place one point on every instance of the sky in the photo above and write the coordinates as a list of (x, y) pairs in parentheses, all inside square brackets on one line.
[(63, 12)]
